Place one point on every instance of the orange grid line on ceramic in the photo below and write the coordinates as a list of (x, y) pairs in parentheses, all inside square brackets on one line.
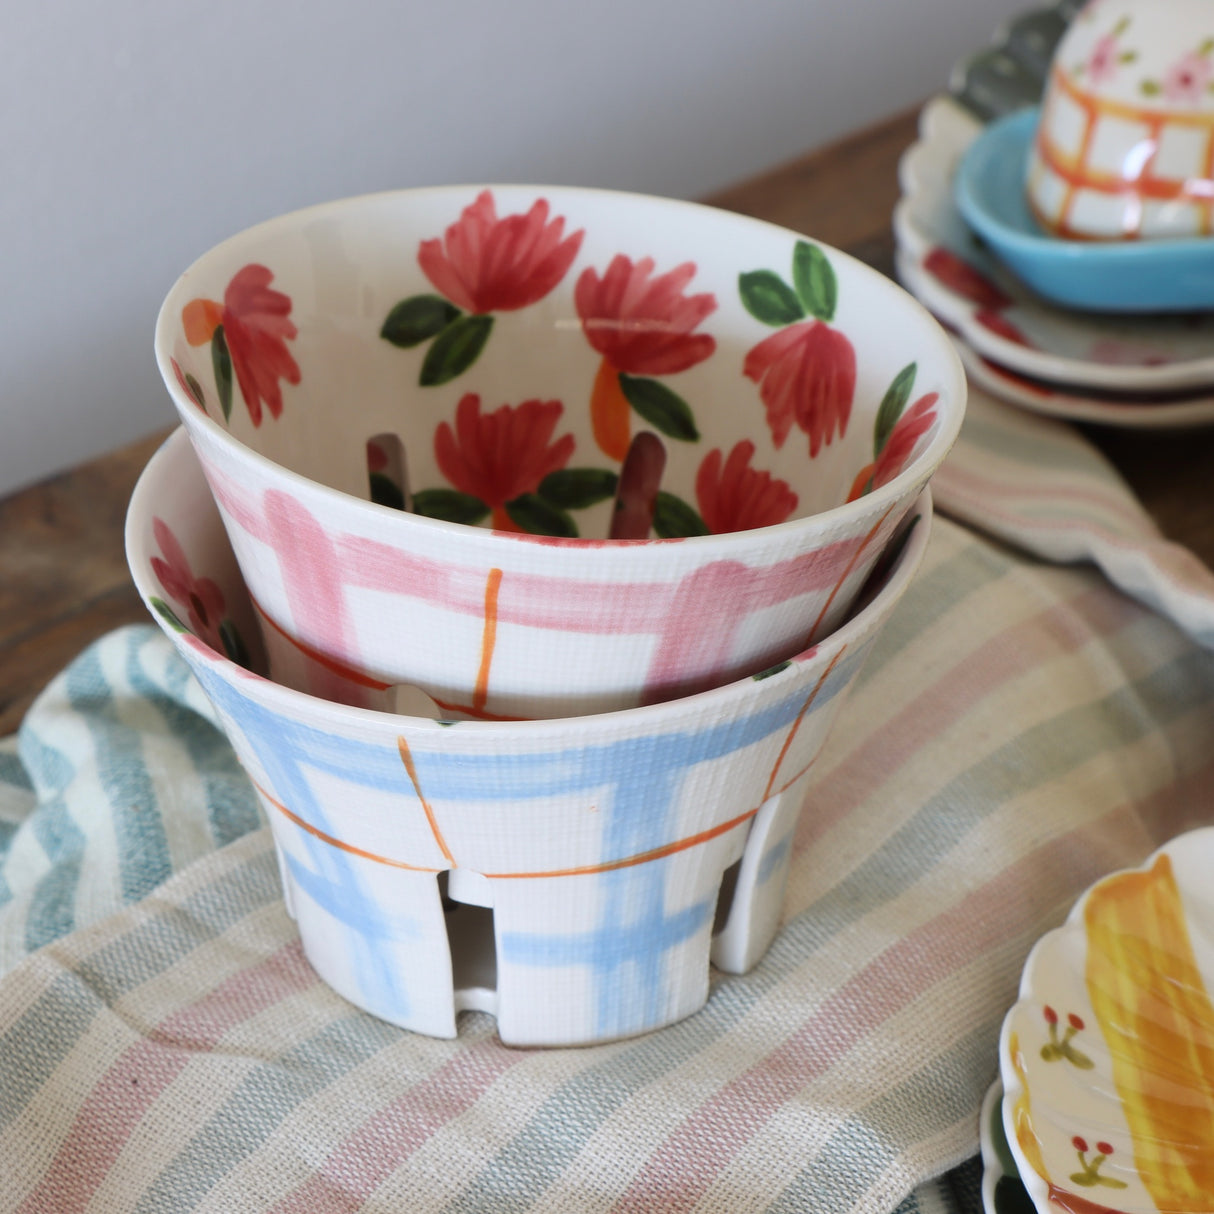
[(796, 725), (406, 757), (645, 857), (851, 564), (488, 640), (322, 659), (354, 675), (1078, 176)]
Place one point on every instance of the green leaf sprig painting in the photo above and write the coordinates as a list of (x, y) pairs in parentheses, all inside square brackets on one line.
[(806, 370), (482, 265)]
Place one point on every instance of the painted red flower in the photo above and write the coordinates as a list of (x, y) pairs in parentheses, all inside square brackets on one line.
[(1185, 82), (486, 264), (641, 324), (499, 456), (201, 597), (733, 496), (806, 373), (899, 447), (256, 323)]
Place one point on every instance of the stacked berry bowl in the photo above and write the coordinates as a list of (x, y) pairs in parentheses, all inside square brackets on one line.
[(525, 541)]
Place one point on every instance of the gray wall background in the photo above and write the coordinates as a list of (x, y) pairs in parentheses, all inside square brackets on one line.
[(134, 134)]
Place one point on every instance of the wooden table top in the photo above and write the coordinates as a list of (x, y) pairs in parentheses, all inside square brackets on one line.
[(63, 575)]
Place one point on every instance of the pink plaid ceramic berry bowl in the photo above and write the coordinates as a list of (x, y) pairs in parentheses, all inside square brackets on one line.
[(574, 877), (424, 416)]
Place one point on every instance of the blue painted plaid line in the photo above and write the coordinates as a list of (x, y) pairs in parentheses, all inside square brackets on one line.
[(636, 819)]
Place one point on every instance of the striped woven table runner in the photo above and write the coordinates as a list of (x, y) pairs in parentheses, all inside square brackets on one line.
[(1022, 727)]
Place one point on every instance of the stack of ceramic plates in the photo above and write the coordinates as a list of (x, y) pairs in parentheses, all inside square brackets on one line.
[(1122, 369), (1106, 1093)]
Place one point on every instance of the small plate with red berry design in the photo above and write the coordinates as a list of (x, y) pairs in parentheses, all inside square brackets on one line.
[(955, 275), (1107, 1058)]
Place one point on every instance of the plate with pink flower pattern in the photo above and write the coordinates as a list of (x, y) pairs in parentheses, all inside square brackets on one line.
[(956, 276), (1107, 1058)]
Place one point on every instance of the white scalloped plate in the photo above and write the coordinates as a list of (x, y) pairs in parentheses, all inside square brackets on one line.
[(1107, 1059), (1059, 400), (1001, 318)]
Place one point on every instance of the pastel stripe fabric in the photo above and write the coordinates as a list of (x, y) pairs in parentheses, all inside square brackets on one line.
[(1037, 483), (1021, 728)]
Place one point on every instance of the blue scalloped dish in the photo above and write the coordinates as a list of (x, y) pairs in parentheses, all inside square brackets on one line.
[(1165, 275)]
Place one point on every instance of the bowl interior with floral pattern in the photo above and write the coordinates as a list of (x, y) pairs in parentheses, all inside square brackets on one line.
[(451, 371)]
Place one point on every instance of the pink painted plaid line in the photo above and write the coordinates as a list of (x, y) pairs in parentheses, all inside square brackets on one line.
[(1063, 628), (352, 1172), (122, 1097), (541, 602), (679, 1173)]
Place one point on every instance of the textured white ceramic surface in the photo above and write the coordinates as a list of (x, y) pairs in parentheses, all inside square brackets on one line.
[(574, 876)]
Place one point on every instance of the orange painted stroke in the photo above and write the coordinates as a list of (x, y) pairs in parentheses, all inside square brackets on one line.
[(488, 640), (327, 838), (322, 659), (656, 853), (1074, 172), (1123, 109), (796, 725), (365, 680), (855, 556), (407, 758), (644, 857)]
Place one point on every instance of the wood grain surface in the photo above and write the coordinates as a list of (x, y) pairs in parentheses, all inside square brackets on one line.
[(63, 575)]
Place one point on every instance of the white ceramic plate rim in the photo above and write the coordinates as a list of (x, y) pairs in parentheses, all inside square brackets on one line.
[(1069, 403)]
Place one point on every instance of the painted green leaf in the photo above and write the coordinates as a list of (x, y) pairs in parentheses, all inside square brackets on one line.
[(455, 349), (417, 319), (892, 404), (450, 505), (767, 297), (663, 409), (221, 360), (766, 674), (537, 516), (385, 491), (195, 390), (673, 518), (814, 279), (233, 645), (164, 610), (577, 488)]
